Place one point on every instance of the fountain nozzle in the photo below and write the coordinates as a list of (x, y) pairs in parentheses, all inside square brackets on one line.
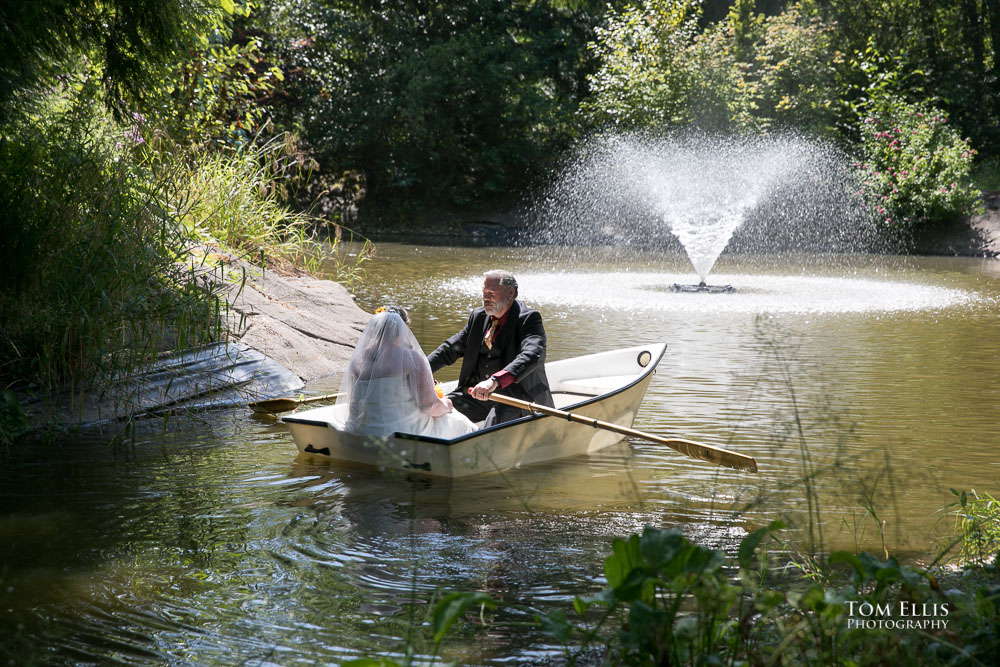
[(702, 287)]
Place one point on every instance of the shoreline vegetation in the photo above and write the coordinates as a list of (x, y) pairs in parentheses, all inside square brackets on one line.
[(669, 600)]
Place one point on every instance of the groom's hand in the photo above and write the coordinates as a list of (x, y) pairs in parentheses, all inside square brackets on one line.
[(483, 390)]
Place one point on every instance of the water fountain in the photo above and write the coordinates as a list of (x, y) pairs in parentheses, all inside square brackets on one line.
[(706, 193)]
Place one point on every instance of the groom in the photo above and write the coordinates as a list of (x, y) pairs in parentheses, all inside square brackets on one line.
[(502, 348)]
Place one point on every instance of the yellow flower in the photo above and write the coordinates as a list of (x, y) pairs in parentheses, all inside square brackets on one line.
[(380, 309), (439, 390)]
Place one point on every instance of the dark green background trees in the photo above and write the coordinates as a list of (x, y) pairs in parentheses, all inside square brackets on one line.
[(419, 105), (444, 106), (448, 104)]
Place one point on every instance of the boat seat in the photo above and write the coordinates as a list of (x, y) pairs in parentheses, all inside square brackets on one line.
[(594, 386)]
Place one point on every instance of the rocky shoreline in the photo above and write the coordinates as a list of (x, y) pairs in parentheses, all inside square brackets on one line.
[(975, 236)]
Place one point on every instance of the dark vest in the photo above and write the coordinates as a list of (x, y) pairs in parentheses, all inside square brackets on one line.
[(488, 362)]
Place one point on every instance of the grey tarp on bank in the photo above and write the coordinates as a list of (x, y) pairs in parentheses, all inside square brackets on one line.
[(214, 376)]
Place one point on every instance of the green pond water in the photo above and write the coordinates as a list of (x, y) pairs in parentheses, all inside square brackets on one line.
[(207, 542)]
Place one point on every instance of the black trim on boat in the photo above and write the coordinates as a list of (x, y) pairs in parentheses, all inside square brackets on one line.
[(310, 422)]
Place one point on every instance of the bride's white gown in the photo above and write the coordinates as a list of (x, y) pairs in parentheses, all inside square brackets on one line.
[(388, 386), (390, 406)]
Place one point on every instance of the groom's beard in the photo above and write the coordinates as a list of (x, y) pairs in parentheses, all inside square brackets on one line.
[(494, 309)]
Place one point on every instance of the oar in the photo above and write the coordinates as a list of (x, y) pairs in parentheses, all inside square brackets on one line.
[(722, 457), (273, 405)]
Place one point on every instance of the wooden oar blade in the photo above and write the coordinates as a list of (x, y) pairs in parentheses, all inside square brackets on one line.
[(275, 405), (719, 457)]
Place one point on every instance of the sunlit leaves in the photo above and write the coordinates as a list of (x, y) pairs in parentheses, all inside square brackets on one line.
[(642, 78), (914, 166)]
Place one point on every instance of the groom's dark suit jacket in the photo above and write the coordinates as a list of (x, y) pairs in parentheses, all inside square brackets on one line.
[(521, 342)]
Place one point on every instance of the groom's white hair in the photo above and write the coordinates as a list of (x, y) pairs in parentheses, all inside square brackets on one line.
[(506, 279)]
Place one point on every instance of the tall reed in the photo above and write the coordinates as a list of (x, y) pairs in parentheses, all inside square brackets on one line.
[(88, 274), (97, 275)]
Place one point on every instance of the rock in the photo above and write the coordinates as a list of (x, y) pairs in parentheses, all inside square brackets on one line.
[(223, 374), (284, 330), (308, 325), (974, 236)]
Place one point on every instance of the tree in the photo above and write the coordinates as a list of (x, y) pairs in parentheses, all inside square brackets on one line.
[(747, 72), (643, 77), (124, 41), (443, 104), (950, 53)]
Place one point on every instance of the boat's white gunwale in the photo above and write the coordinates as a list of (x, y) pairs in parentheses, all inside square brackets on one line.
[(399, 435)]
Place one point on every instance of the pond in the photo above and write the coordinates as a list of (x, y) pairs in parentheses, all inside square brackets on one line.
[(854, 380)]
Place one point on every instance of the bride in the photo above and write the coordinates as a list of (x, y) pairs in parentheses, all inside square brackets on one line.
[(388, 386)]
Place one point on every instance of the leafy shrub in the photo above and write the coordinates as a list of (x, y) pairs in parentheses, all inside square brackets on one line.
[(674, 602), (214, 94), (747, 72), (95, 269), (914, 166), (977, 518), (677, 598)]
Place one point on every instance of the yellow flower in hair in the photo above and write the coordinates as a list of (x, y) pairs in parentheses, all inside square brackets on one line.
[(380, 309)]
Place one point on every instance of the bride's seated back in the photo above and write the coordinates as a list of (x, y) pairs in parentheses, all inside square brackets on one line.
[(388, 386)]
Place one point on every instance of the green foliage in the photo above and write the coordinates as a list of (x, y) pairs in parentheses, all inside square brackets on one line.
[(214, 94), (747, 72), (96, 276), (977, 519), (954, 45), (642, 81), (436, 104), (657, 578), (234, 197), (986, 174), (677, 604), (125, 43), (914, 165), (13, 421), (452, 606), (797, 66), (89, 276)]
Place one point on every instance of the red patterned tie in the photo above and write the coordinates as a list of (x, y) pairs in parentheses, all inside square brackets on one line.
[(488, 338)]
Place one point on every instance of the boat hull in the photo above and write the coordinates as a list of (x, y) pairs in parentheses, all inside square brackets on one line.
[(524, 441)]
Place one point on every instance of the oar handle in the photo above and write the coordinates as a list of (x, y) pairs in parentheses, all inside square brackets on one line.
[(690, 448), (313, 399)]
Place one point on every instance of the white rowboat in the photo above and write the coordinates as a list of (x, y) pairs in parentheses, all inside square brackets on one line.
[(608, 386)]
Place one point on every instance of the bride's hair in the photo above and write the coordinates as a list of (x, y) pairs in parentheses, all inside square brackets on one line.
[(393, 308)]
